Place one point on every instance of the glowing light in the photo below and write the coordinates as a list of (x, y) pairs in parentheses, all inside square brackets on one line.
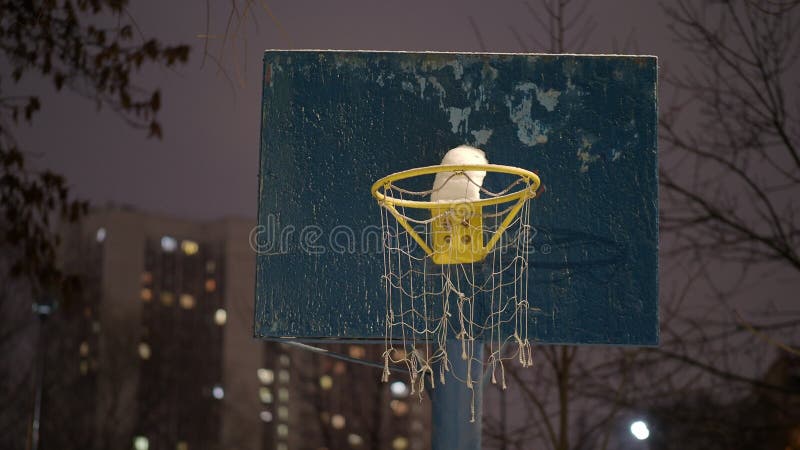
[(211, 285), (337, 421), (284, 360), (399, 389), (100, 236), (190, 247), (325, 382), (399, 407), (266, 416), (283, 430), (354, 440), (283, 376), (144, 351), (182, 445), (218, 392), (400, 443), (265, 395), (141, 443), (266, 376), (356, 351), (283, 413), (168, 244), (186, 301), (167, 298), (283, 394), (639, 430), (146, 294), (220, 317), (84, 348)]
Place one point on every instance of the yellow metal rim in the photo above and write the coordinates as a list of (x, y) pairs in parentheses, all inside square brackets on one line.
[(386, 181)]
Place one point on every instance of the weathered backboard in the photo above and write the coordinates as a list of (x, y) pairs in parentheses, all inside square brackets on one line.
[(335, 122)]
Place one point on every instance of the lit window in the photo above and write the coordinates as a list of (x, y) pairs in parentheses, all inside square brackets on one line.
[(211, 266), (218, 392), (339, 368), (354, 440), (283, 430), (84, 367), (337, 421), (144, 351), (141, 443), (399, 407), (168, 244), (266, 416), (265, 395), (357, 351), (100, 235), (281, 446), (187, 301), (190, 247), (283, 413), (146, 294), (220, 317), (325, 382), (400, 443), (284, 360), (266, 376), (283, 394), (211, 285), (147, 277), (167, 298), (283, 376), (399, 389), (182, 445), (84, 348)]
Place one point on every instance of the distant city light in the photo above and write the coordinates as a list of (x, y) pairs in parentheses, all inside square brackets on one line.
[(283, 430), (283, 376), (325, 382), (337, 421), (218, 392), (283, 394), (146, 294), (144, 351), (283, 413), (265, 395), (400, 443), (84, 349), (211, 285), (182, 445), (266, 416), (167, 298), (399, 389), (141, 443), (284, 360), (639, 430), (168, 244), (357, 351), (354, 440), (399, 407), (100, 236), (190, 247), (187, 301), (220, 317), (266, 376)]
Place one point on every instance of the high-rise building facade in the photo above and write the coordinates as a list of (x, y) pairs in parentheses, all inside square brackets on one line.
[(168, 347)]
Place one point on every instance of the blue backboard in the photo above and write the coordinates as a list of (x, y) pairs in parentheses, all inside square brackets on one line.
[(335, 122)]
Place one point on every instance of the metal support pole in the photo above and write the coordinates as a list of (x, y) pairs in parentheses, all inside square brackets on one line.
[(451, 404)]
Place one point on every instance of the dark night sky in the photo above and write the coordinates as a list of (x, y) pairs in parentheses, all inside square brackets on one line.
[(206, 165)]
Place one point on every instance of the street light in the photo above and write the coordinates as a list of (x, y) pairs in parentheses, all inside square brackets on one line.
[(639, 430)]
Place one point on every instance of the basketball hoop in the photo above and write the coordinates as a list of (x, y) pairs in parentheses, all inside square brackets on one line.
[(455, 269)]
